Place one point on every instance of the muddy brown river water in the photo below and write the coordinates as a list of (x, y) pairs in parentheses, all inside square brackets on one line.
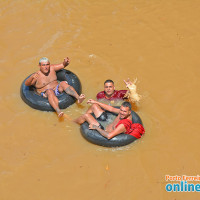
[(42, 158)]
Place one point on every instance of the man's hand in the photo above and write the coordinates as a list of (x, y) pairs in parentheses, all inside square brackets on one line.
[(35, 75), (34, 78), (92, 127), (66, 61), (128, 82), (91, 101)]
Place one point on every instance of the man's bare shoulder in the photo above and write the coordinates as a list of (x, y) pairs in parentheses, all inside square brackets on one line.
[(52, 67)]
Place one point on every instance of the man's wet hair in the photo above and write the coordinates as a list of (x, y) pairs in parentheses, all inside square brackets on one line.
[(126, 104), (109, 81), (44, 59)]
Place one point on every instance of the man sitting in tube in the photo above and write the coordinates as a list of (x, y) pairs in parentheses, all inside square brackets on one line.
[(46, 84), (121, 124)]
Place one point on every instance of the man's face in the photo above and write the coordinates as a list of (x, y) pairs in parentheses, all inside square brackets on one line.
[(124, 112), (45, 67), (109, 88)]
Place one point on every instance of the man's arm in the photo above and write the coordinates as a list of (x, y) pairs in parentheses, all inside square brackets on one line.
[(104, 106), (58, 67), (32, 79), (109, 135)]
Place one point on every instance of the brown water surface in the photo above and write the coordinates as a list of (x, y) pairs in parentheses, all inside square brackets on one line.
[(156, 41)]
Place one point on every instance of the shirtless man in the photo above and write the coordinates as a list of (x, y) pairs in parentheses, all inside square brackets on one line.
[(121, 124), (46, 84)]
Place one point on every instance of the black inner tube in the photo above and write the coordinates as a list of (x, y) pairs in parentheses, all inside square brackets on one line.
[(34, 100), (122, 139)]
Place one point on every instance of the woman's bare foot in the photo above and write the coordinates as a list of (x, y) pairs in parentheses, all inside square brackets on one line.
[(81, 98)]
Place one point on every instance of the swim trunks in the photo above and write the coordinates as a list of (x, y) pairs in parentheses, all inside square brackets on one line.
[(56, 91), (102, 117), (100, 126), (134, 129)]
